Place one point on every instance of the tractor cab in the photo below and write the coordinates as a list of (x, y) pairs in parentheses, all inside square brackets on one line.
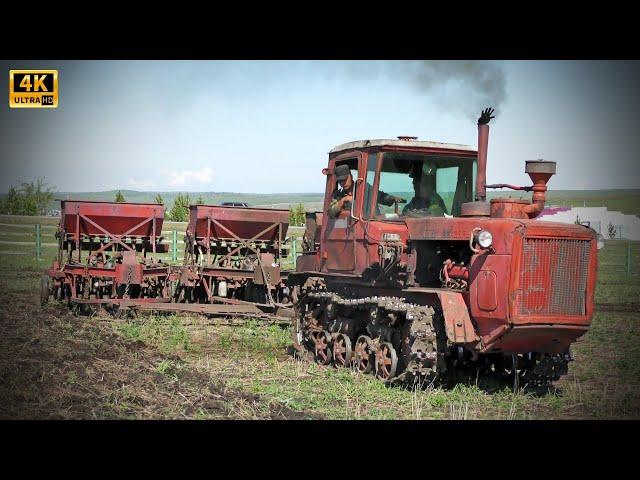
[(390, 181), (404, 178)]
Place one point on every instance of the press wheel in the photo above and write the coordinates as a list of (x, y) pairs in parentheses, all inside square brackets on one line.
[(44, 289)]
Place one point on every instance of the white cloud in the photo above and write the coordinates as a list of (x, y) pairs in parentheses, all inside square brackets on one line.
[(184, 178)]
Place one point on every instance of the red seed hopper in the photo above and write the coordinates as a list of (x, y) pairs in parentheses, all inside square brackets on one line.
[(229, 223), (234, 253), (108, 252), (115, 222)]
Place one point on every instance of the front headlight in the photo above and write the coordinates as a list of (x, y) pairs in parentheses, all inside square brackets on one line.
[(600, 241), (484, 239)]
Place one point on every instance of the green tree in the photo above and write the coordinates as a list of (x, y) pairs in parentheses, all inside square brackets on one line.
[(30, 199), (12, 203), (180, 210), (38, 196), (200, 200), (120, 197), (301, 214), (297, 215), (159, 199)]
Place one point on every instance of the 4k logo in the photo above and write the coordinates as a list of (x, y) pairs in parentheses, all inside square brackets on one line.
[(33, 88)]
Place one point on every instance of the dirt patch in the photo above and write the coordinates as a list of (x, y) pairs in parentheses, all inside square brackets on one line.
[(54, 365)]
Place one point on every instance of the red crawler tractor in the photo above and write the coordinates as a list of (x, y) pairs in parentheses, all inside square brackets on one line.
[(416, 274), (107, 255), (408, 272)]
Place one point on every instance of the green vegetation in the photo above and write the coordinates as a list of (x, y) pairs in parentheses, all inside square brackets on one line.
[(119, 197), (297, 215), (180, 210), (159, 199), (28, 199), (163, 332)]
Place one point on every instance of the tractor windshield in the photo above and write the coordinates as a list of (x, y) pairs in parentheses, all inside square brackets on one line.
[(415, 185)]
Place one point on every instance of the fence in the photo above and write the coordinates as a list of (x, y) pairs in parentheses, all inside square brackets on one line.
[(620, 257), (34, 240)]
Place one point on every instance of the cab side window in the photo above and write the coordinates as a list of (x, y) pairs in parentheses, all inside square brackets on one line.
[(339, 192)]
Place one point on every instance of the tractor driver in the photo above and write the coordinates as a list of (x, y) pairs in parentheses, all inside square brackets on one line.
[(342, 197), (426, 202)]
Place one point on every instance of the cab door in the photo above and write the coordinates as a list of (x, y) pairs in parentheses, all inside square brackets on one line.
[(338, 246)]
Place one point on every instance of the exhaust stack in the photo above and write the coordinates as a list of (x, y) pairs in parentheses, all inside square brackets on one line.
[(540, 171), (480, 207), (481, 177), (483, 147)]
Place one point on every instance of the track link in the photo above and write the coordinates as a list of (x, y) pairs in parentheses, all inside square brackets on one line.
[(400, 332)]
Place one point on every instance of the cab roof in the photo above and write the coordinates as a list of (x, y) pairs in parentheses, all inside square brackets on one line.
[(400, 143)]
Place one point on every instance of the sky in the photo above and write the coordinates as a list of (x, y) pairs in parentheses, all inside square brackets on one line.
[(266, 126)]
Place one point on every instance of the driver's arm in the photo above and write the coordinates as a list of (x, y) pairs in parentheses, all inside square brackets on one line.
[(337, 204), (334, 208), (388, 200)]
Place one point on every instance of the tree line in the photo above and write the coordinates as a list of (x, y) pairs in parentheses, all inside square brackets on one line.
[(179, 212), (30, 198)]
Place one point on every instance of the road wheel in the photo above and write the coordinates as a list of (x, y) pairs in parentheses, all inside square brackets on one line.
[(342, 350), (323, 352), (386, 362), (363, 354)]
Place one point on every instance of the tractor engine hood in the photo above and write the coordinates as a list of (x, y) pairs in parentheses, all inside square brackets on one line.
[(502, 229)]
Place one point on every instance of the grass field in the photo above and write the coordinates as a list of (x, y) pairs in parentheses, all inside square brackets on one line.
[(56, 365)]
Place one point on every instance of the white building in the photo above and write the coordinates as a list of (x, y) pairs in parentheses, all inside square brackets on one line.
[(627, 226)]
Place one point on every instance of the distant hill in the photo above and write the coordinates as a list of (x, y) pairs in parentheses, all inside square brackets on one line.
[(622, 200)]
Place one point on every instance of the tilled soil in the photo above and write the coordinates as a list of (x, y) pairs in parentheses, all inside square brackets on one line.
[(54, 365)]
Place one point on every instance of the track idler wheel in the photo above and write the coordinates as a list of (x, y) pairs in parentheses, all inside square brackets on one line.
[(323, 353), (363, 354), (386, 362), (342, 350)]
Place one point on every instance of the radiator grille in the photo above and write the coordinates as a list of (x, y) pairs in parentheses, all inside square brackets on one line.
[(553, 277)]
